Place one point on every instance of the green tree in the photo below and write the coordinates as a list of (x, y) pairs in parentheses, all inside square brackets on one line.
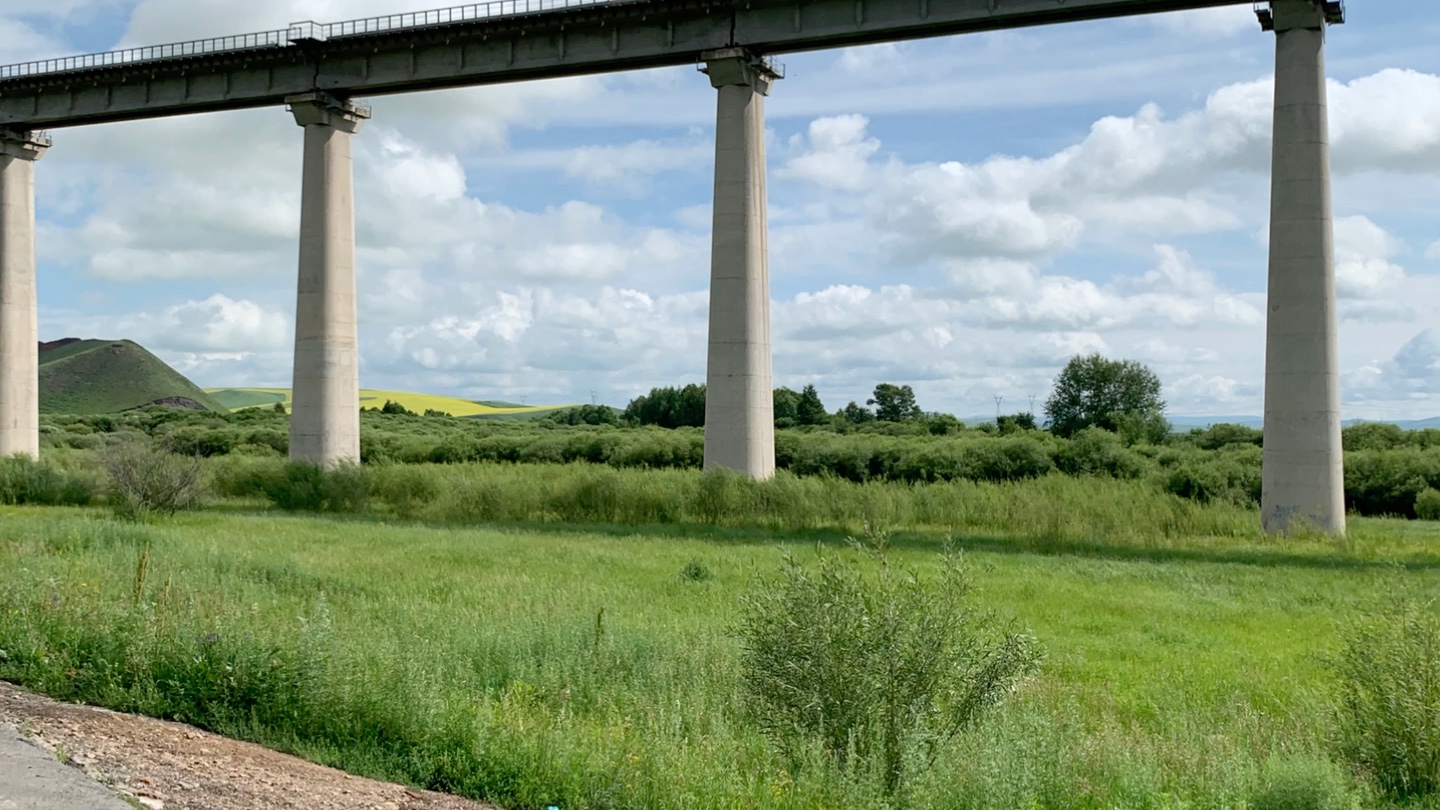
[(787, 407), (895, 403), (585, 415), (668, 407), (810, 410), (856, 414), (395, 408), (1093, 391)]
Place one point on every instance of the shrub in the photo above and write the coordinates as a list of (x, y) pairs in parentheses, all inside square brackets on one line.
[(406, 488), (1389, 672), (1427, 504), (24, 480), (878, 669), (149, 480), (303, 487)]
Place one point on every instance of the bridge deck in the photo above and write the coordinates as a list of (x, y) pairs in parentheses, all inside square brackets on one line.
[(486, 43)]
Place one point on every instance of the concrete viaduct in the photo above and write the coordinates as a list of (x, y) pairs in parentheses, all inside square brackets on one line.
[(317, 70)]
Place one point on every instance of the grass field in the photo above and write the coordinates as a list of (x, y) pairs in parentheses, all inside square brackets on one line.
[(240, 398), (577, 667)]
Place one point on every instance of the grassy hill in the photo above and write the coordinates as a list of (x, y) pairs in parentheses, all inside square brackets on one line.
[(107, 376), (240, 398)]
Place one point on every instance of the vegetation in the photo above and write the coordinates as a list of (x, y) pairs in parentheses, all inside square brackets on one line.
[(583, 667), (568, 612), (147, 480), (1390, 698), (105, 376), (1122, 396), (882, 672)]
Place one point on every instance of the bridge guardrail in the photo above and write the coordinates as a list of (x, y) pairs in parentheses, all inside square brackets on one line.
[(288, 36)]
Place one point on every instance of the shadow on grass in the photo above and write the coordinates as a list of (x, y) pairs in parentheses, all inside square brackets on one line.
[(1310, 557), (1311, 554)]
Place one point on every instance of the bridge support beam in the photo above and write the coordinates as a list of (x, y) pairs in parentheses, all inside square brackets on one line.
[(325, 415), (1302, 481), (19, 335), (739, 409)]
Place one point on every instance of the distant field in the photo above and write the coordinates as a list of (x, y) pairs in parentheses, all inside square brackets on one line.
[(240, 398)]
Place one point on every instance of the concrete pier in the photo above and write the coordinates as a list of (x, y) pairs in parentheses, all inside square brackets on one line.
[(19, 335), (1302, 482), (325, 415), (739, 409)]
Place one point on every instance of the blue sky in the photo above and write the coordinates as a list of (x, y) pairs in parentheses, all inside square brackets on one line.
[(959, 214)]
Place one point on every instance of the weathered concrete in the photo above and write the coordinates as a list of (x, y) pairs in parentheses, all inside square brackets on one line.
[(381, 55), (31, 779), (325, 416), (739, 409), (19, 337), (1302, 482)]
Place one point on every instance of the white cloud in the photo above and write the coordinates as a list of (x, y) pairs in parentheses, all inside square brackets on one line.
[(1433, 252), (1225, 21), (1362, 253)]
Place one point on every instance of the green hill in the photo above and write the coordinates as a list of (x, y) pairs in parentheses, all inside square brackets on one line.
[(107, 376)]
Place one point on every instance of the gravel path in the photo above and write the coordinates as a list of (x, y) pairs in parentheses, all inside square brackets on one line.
[(170, 766)]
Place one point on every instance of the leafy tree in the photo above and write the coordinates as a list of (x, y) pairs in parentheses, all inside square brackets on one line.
[(393, 407), (1092, 391), (279, 408), (585, 415), (1015, 423), (810, 410), (895, 403), (944, 424), (668, 407), (787, 408), (856, 414)]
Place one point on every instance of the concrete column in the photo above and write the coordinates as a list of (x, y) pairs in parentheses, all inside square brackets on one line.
[(325, 416), (739, 409), (1302, 481), (19, 335)]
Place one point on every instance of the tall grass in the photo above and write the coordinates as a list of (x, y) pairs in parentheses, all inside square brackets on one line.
[(589, 670), (1053, 508)]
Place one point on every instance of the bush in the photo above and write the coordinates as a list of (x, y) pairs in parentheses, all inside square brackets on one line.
[(1427, 504), (24, 480), (879, 669), (303, 487), (1389, 674), (147, 480)]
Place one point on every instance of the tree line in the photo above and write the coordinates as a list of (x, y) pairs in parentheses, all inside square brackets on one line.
[(1121, 396)]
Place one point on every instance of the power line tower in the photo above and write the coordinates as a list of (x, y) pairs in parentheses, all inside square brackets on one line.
[(998, 397)]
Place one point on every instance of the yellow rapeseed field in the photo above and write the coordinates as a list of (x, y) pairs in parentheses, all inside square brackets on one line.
[(241, 398)]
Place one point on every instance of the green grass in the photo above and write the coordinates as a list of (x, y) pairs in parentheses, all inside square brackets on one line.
[(105, 376), (580, 667)]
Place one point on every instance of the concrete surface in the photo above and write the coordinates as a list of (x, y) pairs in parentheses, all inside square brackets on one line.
[(462, 51), (325, 413), (1302, 481), (739, 404), (19, 351), (33, 779)]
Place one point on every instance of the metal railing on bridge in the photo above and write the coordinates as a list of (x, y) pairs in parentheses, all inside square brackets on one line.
[(295, 32)]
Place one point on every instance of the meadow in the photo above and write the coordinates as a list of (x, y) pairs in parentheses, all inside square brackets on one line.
[(555, 615), (537, 658)]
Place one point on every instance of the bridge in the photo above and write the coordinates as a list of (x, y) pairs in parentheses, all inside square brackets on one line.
[(318, 70)]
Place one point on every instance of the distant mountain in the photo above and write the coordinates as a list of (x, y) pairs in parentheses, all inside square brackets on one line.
[(109, 376)]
